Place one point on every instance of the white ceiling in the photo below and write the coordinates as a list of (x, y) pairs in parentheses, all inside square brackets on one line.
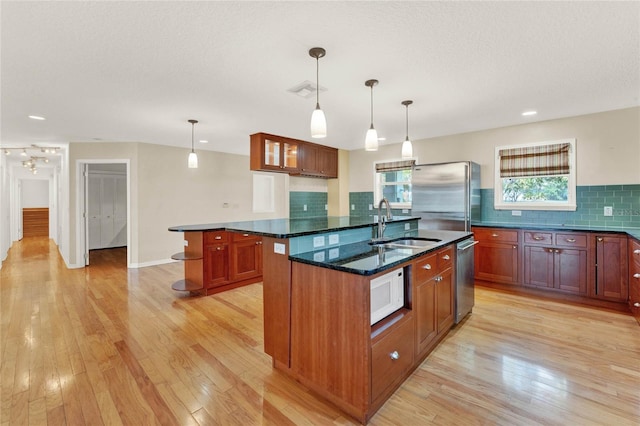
[(137, 71)]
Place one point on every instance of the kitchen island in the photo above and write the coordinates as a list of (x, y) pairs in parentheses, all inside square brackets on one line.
[(317, 314)]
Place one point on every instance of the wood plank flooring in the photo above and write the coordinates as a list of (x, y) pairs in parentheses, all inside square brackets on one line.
[(108, 346)]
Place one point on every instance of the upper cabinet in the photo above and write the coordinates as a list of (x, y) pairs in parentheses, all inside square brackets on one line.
[(273, 153)]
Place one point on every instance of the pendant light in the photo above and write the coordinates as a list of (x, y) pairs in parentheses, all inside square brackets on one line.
[(407, 148), (371, 140), (318, 120), (192, 162)]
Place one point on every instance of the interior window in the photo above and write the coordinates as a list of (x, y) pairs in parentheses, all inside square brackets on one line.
[(393, 182), (536, 176)]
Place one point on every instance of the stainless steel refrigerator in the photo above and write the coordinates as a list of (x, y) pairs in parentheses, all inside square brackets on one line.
[(446, 196)]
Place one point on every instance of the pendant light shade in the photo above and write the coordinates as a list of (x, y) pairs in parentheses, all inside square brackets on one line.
[(318, 120), (371, 140), (407, 147), (192, 161)]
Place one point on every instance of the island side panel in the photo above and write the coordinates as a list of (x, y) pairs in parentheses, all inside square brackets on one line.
[(276, 288), (193, 269), (331, 335)]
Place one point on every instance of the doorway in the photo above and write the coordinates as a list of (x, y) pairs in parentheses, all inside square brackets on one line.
[(104, 194)]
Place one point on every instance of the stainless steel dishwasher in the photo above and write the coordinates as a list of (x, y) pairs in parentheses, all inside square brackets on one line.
[(464, 279)]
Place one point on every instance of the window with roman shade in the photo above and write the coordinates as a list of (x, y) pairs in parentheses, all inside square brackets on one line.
[(536, 176), (393, 182)]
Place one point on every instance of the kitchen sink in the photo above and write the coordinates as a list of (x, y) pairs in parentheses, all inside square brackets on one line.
[(412, 242)]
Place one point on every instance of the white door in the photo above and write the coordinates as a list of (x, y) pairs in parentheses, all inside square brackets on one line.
[(120, 212), (94, 207), (107, 197)]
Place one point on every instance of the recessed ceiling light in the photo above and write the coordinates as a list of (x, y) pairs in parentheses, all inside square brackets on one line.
[(36, 117), (526, 113), (203, 141)]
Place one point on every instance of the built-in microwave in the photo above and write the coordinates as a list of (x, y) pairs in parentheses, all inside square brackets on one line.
[(387, 294)]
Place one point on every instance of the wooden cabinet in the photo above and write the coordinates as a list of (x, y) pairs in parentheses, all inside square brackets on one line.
[(281, 154), (318, 160), (556, 261), (391, 358), (216, 261), (434, 298), (246, 257), (496, 255), (611, 267), (634, 278)]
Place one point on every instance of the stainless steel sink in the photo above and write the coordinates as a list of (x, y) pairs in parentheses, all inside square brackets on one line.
[(412, 243)]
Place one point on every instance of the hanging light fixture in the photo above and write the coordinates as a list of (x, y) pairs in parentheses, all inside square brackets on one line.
[(371, 140), (192, 162), (318, 120), (407, 147)]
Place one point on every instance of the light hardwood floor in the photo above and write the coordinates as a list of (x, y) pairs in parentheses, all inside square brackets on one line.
[(107, 345)]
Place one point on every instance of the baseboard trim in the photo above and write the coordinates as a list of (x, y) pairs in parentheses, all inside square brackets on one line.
[(151, 263)]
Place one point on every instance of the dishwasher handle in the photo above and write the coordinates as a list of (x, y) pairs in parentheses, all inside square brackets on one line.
[(462, 248)]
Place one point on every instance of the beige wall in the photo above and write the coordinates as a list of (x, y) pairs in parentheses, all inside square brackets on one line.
[(608, 148), (164, 193)]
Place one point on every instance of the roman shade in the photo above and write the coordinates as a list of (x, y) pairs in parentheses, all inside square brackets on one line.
[(394, 166), (541, 160)]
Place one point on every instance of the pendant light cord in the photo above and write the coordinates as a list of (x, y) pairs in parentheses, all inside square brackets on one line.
[(407, 109), (372, 106), (317, 82), (192, 133)]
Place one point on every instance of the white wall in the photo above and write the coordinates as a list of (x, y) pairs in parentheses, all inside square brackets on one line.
[(35, 193), (608, 148), (5, 211), (165, 193)]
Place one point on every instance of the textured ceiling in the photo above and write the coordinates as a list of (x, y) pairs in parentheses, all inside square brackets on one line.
[(137, 71)]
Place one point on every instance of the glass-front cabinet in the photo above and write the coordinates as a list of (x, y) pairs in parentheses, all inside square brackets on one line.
[(274, 153)]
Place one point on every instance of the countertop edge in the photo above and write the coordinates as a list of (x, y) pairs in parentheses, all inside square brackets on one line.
[(631, 232)]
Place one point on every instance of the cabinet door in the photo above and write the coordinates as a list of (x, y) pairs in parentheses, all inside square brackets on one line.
[(570, 268), (216, 265), (498, 262), (309, 159), (611, 268), (444, 300), (328, 162), (538, 266), (273, 153), (426, 326), (246, 259)]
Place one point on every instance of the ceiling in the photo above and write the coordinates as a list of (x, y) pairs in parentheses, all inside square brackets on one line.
[(137, 71)]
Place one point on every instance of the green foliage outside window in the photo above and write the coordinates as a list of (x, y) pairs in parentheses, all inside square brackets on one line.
[(541, 188)]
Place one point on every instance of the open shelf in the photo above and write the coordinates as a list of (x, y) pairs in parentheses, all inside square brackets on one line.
[(186, 285), (185, 256)]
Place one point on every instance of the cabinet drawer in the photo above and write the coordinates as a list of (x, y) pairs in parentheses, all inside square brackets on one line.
[(215, 237), (634, 251), (634, 294), (494, 234), (391, 357), (571, 240), (426, 268), (238, 236), (445, 259), (535, 237)]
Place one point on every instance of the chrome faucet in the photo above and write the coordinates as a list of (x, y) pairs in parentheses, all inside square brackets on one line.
[(383, 219)]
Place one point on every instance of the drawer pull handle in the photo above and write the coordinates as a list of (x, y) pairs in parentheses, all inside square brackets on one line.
[(538, 238), (600, 239), (494, 235), (557, 251), (571, 240), (218, 237), (636, 276), (427, 266), (394, 355), (637, 304), (218, 248), (245, 235), (636, 251), (446, 257), (515, 247)]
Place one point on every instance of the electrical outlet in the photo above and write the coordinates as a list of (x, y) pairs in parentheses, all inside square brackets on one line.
[(304, 207), (279, 248), (608, 211), (318, 241), (370, 206), (334, 239), (407, 226), (353, 206)]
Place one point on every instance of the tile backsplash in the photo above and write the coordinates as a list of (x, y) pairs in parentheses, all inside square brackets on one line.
[(590, 200), (307, 204)]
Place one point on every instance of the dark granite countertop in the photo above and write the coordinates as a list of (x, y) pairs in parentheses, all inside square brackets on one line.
[(633, 232), (288, 228), (365, 259)]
